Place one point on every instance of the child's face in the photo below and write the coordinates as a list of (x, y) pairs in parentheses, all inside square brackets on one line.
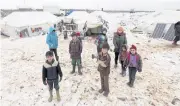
[(74, 37), (119, 31), (49, 58), (104, 50), (133, 51), (123, 49)]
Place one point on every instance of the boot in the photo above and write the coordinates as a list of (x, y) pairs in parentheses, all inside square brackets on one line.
[(51, 96), (123, 73), (58, 95), (101, 91), (73, 71), (106, 93), (79, 70), (132, 84), (128, 83)]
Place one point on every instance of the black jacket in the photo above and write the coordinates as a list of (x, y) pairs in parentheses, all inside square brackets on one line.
[(177, 29), (51, 71)]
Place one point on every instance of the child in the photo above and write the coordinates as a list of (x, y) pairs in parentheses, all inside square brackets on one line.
[(51, 70), (122, 58), (78, 34), (104, 60), (177, 33), (102, 38), (119, 39), (134, 63), (52, 41), (75, 50)]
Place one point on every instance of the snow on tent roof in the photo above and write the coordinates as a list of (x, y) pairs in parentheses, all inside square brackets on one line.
[(148, 22), (81, 17), (166, 16), (21, 19)]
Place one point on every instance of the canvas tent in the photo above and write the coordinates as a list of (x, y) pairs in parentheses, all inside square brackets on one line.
[(84, 19), (149, 22), (29, 23)]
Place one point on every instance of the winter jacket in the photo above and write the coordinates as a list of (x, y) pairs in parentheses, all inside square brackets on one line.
[(177, 29), (104, 64), (100, 40), (138, 61), (75, 49), (52, 39), (123, 55), (118, 41), (51, 71)]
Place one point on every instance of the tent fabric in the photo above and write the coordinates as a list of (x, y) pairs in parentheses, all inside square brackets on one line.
[(148, 23), (81, 17), (21, 19)]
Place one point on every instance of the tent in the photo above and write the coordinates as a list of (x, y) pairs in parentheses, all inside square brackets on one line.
[(85, 20), (149, 22), (81, 17), (21, 24)]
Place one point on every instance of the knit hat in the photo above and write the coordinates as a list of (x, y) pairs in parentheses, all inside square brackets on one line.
[(120, 29), (105, 46), (133, 47), (73, 34), (49, 53), (78, 33)]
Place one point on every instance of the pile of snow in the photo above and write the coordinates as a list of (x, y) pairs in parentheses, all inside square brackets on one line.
[(21, 19), (21, 77)]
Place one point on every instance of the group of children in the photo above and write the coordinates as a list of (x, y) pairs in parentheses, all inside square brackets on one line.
[(52, 73)]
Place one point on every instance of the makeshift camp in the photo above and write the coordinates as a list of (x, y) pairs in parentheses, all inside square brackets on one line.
[(24, 24), (85, 21), (148, 23)]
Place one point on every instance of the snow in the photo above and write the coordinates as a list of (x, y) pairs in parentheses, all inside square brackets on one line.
[(81, 17), (148, 22), (157, 85), (21, 19)]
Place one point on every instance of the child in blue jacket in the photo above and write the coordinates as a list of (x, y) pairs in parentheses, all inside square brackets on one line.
[(52, 41)]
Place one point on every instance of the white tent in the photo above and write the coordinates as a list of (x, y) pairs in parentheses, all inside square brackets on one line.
[(149, 22), (18, 21), (84, 17)]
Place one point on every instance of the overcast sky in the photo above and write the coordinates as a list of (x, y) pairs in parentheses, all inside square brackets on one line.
[(95, 4)]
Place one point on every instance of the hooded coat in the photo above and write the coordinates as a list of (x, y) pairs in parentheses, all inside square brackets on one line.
[(119, 40), (52, 39)]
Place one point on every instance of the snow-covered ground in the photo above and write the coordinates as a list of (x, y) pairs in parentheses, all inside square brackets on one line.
[(21, 75)]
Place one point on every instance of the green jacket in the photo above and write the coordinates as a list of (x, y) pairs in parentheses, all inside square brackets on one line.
[(119, 41)]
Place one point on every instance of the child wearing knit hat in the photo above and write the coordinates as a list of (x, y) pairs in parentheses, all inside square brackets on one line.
[(134, 63)]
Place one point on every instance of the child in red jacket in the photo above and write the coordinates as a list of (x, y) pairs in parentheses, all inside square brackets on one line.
[(134, 63)]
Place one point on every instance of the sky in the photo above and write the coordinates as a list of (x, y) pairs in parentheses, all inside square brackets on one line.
[(94, 4)]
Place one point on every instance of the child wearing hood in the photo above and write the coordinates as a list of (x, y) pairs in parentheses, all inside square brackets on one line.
[(119, 40), (101, 39), (52, 75), (134, 63), (52, 41)]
